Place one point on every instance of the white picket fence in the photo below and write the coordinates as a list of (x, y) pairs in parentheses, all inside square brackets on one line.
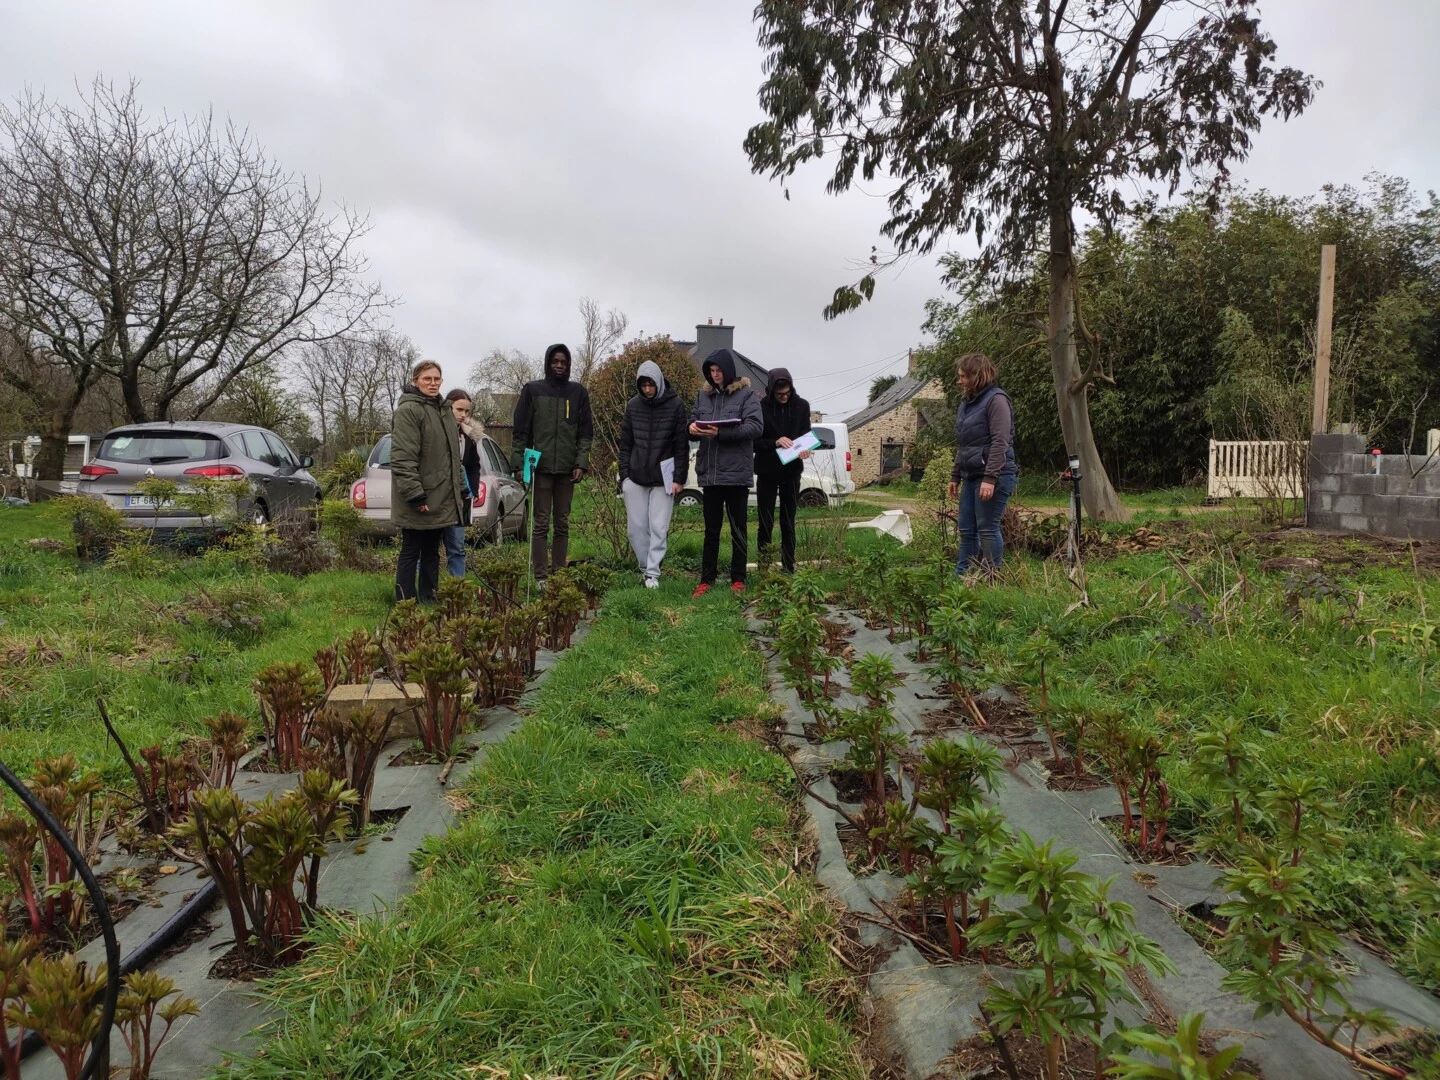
[(1256, 470)]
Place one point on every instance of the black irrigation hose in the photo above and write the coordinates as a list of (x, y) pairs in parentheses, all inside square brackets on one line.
[(97, 1065), (146, 952)]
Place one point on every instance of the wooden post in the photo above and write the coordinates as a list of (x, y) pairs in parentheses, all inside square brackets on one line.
[(1320, 411)]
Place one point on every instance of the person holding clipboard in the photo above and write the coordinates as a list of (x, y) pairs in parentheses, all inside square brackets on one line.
[(778, 466), (654, 462), (727, 420)]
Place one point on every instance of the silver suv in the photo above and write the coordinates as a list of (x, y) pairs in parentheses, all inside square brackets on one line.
[(274, 480)]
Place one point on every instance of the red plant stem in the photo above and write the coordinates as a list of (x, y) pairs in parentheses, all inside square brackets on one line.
[(1124, 790), (1358, 1056), (957, 947)]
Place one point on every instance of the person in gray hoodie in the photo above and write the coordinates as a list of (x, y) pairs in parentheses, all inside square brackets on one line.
[(652, 433), (725, 465)]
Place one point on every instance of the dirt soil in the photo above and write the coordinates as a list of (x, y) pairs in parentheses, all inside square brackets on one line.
[(853, 786), (1005, 719), (241, 965), (1062, 777), (417, 755), (1347, 550), (979, 1056), (1176, 853)]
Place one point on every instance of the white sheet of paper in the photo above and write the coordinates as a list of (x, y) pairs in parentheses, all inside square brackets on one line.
[(667, 472), (808, 441)]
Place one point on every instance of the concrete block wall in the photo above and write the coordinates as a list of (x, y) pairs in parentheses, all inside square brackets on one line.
[(1349, 490)]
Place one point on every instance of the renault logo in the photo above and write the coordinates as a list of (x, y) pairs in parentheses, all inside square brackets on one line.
[(149, 472)]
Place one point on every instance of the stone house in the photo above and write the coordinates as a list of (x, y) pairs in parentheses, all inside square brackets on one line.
[(882, 435)]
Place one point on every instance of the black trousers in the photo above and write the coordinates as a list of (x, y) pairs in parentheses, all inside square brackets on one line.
[(419, 550), (787, 490), (725, 502)]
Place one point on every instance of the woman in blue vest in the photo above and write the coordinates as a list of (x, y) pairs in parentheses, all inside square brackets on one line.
[(985, 470)]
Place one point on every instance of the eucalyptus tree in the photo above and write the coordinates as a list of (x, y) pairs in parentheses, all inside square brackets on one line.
[(1003, 119)]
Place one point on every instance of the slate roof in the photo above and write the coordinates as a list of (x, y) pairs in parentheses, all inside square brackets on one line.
[(902, 391)]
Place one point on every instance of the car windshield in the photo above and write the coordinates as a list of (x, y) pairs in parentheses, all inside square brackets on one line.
[(159, 447), (380, 457)]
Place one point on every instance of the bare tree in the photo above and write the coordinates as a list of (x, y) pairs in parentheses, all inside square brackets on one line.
[(600, 332), (351, 383), (501, 372), (170, 255)]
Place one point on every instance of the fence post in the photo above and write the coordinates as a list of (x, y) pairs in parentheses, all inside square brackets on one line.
[(1320, 410)]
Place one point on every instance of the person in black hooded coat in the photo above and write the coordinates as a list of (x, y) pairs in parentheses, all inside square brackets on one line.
[(553, 416), (787, 417)]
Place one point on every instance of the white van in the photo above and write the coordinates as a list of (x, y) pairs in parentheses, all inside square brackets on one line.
[(826, 480)]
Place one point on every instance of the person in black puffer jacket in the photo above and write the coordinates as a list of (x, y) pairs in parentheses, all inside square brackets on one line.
[(653, 431), (787, 417)]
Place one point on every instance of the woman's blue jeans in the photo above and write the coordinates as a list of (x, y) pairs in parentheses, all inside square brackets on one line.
[(455, 550), (979, 522)]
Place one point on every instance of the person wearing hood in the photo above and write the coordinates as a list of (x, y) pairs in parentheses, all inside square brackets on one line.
[(725, 464), (552, 415), (787, 417), (427, 479), (654, 430)]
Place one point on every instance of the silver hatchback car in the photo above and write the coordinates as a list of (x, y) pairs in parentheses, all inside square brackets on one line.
[(275, 481), (497, 508)]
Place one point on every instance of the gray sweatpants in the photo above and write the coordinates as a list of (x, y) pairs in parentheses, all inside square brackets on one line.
[(647, 515)]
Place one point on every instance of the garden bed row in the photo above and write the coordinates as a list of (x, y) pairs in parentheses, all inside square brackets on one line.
[(232, 855), (931, 1003)]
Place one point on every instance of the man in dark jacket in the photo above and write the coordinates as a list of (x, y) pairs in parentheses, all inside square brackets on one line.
[(427, 482), (725, 465), (553, 416), (787, 417), (654, 448)]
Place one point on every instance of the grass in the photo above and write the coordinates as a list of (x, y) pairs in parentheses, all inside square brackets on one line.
[(617, 900), (70, 633)]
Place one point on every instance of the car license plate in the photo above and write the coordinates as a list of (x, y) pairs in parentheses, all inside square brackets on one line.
[(149, 502)]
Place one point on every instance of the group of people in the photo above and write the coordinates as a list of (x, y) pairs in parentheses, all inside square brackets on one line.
[(743, 436)]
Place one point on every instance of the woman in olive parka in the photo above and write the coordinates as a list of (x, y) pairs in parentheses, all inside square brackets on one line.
[(427, 481)]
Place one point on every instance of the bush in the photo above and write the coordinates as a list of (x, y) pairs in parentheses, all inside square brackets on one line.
[(344, 526), (335, 481), (96, 526), (299, 549)]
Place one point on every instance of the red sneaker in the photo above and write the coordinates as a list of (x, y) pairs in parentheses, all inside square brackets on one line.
[(700, 590), (737, 587)]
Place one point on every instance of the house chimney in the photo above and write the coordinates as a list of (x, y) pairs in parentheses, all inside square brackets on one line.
[(711, 336), (910, 363)]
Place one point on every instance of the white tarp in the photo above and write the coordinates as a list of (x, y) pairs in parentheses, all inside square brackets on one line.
[(894, 523)]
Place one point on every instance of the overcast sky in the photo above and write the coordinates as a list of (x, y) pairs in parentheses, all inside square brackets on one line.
[(515, 157)]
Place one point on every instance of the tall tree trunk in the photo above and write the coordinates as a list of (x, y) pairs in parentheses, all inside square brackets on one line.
[(55, 440), (1096, 491)]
